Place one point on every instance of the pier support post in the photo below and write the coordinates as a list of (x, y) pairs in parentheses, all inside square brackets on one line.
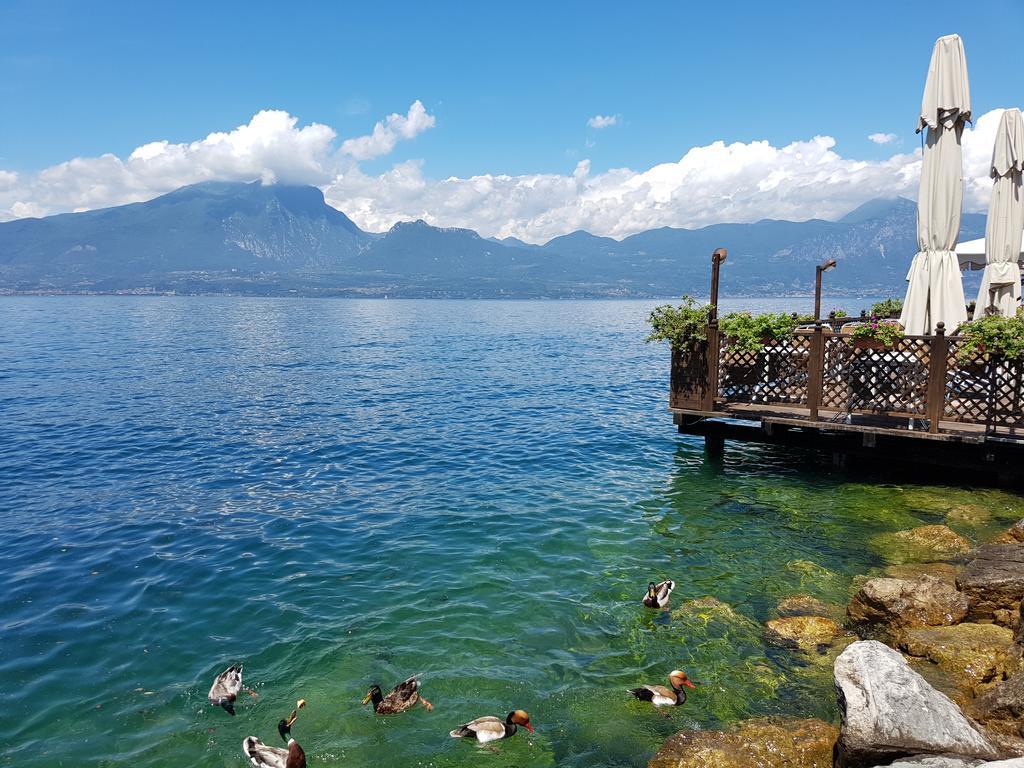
[(714, 447)]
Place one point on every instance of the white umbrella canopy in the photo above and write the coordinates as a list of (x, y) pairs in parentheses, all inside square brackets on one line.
[(935, 292), (1000, 284), (972, 253)]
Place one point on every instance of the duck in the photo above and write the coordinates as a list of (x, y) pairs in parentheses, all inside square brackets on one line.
[(658, 594), (490, 728), (264, 756), (402, 696), (660, 696), (284, 727), (225, 688)]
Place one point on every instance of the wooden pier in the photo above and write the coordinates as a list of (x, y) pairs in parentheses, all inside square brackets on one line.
[(921, 403)]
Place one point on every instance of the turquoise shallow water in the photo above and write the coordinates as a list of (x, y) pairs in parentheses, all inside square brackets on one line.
[(345, 492)]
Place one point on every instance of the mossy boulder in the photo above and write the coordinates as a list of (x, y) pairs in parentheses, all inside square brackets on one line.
[(1001, 707), (926, 543), (975, 656), (762, 743), (883, 607), (807, 633)]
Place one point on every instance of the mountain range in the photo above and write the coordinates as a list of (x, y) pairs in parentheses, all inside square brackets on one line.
[(238, 238)]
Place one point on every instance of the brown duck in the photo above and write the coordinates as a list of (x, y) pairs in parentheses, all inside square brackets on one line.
[(402, 696)]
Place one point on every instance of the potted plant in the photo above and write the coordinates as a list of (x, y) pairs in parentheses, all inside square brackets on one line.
[(994, 336), (876, 334), (683, 327), (747, 332)]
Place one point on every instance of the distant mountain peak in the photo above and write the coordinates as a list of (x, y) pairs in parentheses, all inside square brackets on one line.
[(878, 208)]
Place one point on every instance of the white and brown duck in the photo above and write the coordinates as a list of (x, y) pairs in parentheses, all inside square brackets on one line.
[(490, 728), (265, 756), (404, 695), (658, 594), (660, 696), (226, 687)]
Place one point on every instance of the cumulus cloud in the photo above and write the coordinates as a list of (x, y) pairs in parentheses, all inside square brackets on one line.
[(271, 147), (388, 132), (882, 138), (603, 121), (718, 182)]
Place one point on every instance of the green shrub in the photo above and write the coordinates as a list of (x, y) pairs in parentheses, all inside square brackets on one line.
[(683, 327), (887, 308), (747, 332), (994, 335)]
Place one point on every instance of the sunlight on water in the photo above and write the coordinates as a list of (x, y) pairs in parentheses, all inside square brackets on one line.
[(346, 492)]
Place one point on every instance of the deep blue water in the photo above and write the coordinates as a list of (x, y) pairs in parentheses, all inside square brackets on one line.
[(344, 492)]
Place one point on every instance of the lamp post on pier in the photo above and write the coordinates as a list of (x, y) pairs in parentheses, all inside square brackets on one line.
[(717, 259), (825, 266)]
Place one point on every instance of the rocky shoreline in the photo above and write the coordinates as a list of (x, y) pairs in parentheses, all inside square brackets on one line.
[(927, 659)]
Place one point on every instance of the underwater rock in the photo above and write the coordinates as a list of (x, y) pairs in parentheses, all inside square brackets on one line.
[(761, 743), (926, 543), (969, 512), (804, 605), (994, 583), (1012, 535), (975, 656), (1001, 707), (944, 572), (889, 711), (807, 633), (884, 606)]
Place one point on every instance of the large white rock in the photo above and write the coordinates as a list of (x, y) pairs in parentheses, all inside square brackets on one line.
[(890, 712), (933, 761)]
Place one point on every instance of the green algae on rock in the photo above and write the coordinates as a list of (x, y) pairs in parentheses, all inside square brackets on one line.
[(761, 743), (807, 605), (925, 543), (807, 633)]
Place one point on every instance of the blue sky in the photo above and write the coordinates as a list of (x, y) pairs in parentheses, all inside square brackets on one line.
[(510, 85)]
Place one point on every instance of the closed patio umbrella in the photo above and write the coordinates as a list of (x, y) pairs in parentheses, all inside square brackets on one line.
[(1000, 284), (935, 292)]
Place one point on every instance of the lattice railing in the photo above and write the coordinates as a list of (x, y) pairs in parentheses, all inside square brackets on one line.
[(777, 373), (826, 371), (983, 389)]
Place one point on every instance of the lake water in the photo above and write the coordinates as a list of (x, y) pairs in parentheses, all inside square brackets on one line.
[(342, 492)]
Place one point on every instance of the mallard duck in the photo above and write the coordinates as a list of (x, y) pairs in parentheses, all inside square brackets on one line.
[(284, 727), (658, 594), (263, 756), (402, 696), (226, 687), (660, 696), (490, 728)]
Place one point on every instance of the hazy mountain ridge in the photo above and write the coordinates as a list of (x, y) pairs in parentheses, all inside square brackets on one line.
[(219, 237)]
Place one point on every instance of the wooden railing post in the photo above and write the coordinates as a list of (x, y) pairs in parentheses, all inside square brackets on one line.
[(711, 385), (815, 370), (937, 358)]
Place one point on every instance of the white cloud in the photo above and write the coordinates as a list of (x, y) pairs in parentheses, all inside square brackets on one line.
[(603, 121), (882, 138), (719, 182), (387, 133)]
